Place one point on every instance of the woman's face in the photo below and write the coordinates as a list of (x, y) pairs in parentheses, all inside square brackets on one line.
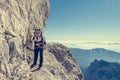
[(38, 31)]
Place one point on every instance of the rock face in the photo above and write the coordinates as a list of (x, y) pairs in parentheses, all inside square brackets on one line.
[(102, 70), (69, 68), (17, 21), (17, 18)]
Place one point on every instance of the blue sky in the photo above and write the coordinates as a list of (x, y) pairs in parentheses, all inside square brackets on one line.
[(84, 20)]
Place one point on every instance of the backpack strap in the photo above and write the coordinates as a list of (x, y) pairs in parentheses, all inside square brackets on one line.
[(42, 39)]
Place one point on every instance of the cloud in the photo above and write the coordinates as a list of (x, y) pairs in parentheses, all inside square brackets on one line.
[(115, 46)]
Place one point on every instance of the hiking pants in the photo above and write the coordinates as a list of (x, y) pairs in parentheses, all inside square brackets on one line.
[(38, 51)]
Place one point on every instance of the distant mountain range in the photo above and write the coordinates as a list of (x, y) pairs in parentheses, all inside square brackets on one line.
[(85, 57), (103, 70)]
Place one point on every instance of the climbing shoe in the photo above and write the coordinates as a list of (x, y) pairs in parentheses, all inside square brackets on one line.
[(32, 66)]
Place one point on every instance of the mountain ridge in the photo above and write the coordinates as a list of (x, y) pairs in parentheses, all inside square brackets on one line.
[(90, 55)]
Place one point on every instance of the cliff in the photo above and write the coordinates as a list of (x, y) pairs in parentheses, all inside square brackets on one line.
[(58, 64), (103, 70), (17, 21)]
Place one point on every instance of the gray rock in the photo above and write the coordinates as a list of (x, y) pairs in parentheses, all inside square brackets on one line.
[(63, 55), (11, 33)]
